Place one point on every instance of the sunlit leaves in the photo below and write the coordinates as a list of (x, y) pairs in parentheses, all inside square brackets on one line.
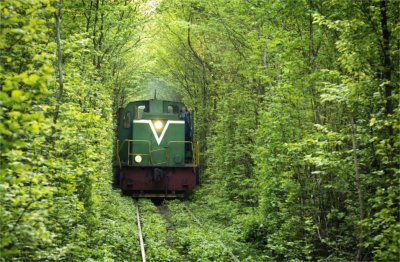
[(25, 191)]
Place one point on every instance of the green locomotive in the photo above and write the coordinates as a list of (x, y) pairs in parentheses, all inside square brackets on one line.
[(156, 156)]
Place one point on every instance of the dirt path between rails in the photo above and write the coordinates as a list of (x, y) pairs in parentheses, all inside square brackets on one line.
[(164, 212)]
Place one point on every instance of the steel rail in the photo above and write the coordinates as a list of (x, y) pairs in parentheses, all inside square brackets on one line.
[(234, 258), (141, 242)]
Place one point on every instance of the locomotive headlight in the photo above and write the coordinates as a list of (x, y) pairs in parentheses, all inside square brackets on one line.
[(138, 159), (158, 124)]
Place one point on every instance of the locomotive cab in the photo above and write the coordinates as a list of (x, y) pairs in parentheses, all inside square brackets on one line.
[(155, 154)]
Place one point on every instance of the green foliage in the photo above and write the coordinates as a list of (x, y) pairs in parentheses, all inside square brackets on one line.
[(55, 186), (197, 242), (25, 71), (295, 106)]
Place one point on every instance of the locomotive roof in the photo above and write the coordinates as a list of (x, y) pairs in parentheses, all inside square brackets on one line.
[(148, 100)]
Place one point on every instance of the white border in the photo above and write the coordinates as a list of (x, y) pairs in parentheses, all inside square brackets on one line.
[(153, 129)]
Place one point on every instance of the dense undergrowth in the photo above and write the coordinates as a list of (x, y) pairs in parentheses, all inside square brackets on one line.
[(201, 236), (179, 234)]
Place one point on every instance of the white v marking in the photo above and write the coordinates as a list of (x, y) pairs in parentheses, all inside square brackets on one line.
[(153, 129)]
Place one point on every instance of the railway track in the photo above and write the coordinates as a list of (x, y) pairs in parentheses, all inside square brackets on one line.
[(140, 233), (155, 243)]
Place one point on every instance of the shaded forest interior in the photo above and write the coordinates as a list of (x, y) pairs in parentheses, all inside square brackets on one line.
[(296, 107)]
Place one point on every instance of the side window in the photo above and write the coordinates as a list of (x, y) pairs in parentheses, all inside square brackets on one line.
[(140, 110), (127, 120), (173, 109)]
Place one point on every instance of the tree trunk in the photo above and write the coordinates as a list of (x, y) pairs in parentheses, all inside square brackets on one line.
[(94, 34), (387, 64), (57, 15), (358, 186)]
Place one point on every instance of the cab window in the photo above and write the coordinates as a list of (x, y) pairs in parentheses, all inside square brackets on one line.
[(140, 110), (173, 109)]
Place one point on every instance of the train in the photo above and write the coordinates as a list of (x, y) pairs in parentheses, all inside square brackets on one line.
[(155, 152)]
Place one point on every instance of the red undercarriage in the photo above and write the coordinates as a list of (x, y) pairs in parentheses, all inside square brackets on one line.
[(162, 180)]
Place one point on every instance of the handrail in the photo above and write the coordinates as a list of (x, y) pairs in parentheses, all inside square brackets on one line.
[(196, 153), (194, 146), (130, 141), (117, 153), (195, 150)]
